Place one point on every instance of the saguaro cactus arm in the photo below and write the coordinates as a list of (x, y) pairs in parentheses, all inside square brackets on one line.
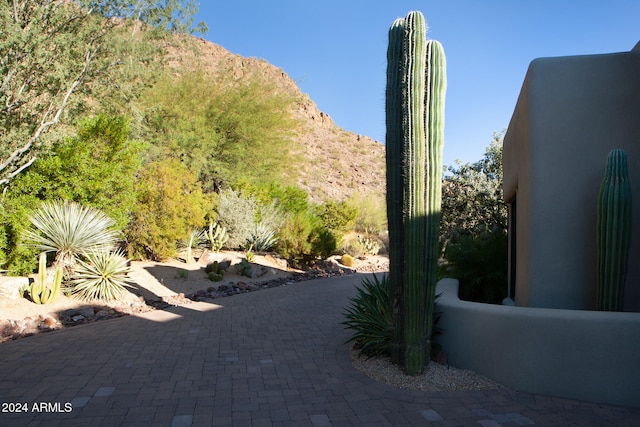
[(394, 160)]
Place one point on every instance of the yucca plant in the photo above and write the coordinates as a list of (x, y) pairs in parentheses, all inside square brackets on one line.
[(70, 229), (196, 239), (102, 276), (370, 317)]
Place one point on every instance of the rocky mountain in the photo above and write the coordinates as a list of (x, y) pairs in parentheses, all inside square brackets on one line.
[(337, 163)]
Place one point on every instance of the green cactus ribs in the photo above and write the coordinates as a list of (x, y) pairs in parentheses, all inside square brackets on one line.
[(416, 86), (39, 291), (613, 232)]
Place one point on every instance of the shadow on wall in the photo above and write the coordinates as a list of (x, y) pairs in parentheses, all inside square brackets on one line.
[(577, 354)]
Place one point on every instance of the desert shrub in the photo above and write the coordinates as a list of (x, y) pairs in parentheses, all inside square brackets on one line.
[(480, 264), (16, 258), (362, 246), (338, 217), (472, 202), (237, 213), (370, 317), (170, 205), (293, 236), (288, 199), (323, 242), (372, 213)]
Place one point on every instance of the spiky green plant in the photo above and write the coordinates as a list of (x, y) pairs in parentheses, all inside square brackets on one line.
[(102, 276), (416, 85), (369, 316), (39, 291), (262, 238), (70, 229), (196, 239), (613, 232)]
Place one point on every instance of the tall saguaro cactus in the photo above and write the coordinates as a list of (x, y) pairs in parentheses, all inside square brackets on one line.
[(613, 232), (416, 85)]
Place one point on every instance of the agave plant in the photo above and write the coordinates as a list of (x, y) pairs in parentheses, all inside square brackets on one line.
[(262, 238), (70, 229), (102, 276), (370, 317)]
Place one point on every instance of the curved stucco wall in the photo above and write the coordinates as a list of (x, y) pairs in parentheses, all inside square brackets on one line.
[(585, 355)]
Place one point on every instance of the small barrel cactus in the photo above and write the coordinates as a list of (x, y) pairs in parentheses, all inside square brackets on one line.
[(613, 232), (346, 260)]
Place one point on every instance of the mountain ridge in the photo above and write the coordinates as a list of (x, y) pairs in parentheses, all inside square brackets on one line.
[(337, 162)]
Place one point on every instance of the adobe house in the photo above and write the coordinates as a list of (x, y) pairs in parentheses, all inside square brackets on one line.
[(570, 113)]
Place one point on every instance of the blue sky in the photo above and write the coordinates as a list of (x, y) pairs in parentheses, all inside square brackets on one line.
[(336, 51)]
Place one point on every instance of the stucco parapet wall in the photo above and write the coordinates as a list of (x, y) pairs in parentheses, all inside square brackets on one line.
[(586, 355)]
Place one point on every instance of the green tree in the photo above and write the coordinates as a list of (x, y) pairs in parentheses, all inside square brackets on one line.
[(226, 131), (96, 168), (51, 51), (474, 227), (472, 203)]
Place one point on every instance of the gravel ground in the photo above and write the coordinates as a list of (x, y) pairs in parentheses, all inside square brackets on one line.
[(435, 378)]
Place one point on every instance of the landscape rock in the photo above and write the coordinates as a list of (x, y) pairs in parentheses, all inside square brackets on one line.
[(206, 258), (281, 263), (258, 271)]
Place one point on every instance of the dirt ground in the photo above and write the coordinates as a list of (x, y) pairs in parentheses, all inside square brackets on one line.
[(170, 281)]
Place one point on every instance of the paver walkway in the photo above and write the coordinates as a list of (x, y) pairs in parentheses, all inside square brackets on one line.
[(271, 358)]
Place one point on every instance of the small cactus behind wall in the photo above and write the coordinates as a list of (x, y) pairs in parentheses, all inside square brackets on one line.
[(613, 232)]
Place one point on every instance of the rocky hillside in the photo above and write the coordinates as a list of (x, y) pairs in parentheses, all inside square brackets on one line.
[(337, 163)]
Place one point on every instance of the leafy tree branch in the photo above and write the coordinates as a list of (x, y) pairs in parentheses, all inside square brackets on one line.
[(51, 50)]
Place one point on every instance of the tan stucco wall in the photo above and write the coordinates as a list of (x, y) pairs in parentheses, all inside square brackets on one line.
[(570, 113), (577, 354)]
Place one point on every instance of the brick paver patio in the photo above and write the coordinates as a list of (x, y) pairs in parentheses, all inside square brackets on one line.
[(270, 358)]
